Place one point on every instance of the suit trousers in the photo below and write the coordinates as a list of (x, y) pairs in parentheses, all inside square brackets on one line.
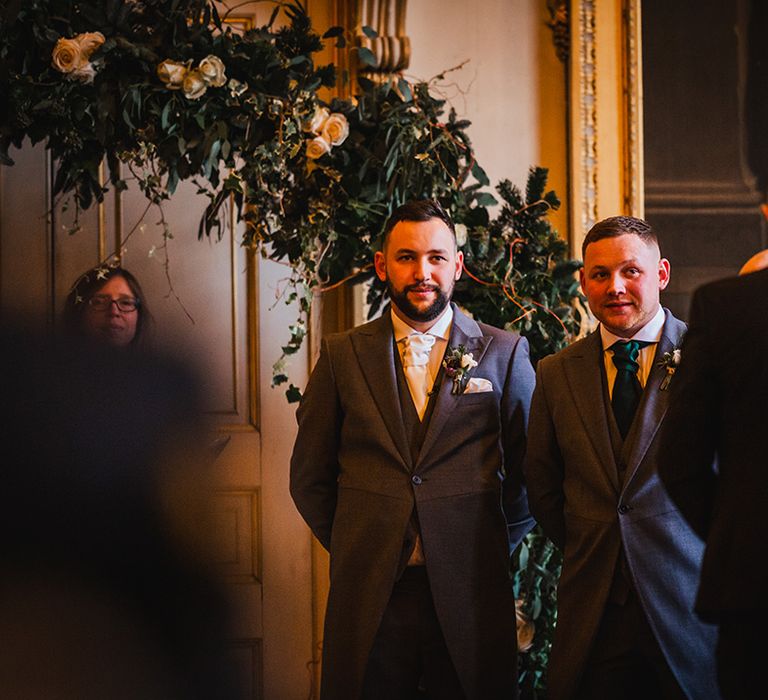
[(409, 659), (625, 660)]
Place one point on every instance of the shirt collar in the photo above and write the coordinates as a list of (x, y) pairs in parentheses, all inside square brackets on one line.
[(440, 329), (649, 333)]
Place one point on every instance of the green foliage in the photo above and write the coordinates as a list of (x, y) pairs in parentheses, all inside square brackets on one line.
[(127, 114), (536, 565), (518, 273)]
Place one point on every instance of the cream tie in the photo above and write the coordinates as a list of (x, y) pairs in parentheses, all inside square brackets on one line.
[(416, 368)]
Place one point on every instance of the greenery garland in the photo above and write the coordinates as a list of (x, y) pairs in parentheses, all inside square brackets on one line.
[(164, 87), (168, 90)]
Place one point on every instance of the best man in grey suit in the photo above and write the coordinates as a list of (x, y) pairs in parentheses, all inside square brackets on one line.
[(626, 626), (412, 479)]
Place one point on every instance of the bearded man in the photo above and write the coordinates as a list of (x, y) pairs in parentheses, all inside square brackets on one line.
[(407, 468)]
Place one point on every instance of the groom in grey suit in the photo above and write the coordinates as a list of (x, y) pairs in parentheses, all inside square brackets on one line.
[(409, 473), (625, 626)]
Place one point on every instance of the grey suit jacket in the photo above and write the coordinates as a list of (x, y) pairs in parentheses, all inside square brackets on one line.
[(576, 494), (355, 483)]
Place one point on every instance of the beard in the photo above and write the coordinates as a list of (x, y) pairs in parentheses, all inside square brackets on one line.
[(422, 315)]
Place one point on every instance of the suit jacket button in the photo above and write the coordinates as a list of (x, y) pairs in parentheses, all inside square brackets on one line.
[(624, 508), (416, 479)]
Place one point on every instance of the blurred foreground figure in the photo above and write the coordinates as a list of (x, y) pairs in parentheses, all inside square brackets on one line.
[(717, 410), (103, 592)]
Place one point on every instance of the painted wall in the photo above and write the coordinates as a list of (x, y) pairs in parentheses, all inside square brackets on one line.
[(512, 86)]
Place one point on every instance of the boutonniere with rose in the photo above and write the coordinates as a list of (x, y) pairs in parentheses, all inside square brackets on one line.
[(670, 361), (458, 363)]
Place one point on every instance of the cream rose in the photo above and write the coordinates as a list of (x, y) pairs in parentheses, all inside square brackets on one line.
[(212, 70), (89, 42), (317, 147), (194, 86), (461, 235), (71, 56), (318, 120), (86, 74), (68, 56), (172, 73), (336, 129)]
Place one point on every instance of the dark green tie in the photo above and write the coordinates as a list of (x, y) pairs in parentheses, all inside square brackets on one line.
[(626, 388)]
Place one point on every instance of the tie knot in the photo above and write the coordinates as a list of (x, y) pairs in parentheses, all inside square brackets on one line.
[(417, 349), (625, 354)]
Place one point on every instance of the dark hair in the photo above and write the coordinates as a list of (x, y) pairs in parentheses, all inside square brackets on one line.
[(417, 210), (88, 285), (618, 226)]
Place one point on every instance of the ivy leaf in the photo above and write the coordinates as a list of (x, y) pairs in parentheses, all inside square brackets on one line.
[(370, 32), (486, 199), (479, 174), (405, 90), (366, 56), (165, 115), (293, 394)]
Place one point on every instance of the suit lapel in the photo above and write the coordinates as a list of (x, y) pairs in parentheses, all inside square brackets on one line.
[(654, 402), (373, 346), (584, 373), (466, 332)]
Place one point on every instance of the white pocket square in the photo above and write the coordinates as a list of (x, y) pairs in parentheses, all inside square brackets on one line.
[(478, 385)]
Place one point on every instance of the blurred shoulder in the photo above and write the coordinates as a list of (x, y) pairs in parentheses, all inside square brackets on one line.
[(752, 286)]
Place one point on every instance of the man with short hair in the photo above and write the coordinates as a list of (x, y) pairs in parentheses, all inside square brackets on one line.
[(717, 413), (407, 468), (625, 625)]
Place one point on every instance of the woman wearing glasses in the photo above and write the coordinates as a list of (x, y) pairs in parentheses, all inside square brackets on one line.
[(106, 305)]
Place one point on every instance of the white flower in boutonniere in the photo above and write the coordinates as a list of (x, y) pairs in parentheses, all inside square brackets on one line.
[(458, 364), (670, 361)]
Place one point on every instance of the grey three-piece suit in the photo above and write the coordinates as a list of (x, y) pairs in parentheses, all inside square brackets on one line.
[(356, 482), (597, 495)]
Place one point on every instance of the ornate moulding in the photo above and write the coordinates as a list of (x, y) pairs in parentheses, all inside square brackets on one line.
[(605, 105)]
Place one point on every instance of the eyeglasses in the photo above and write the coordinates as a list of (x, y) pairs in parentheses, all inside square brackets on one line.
[(102, 303)]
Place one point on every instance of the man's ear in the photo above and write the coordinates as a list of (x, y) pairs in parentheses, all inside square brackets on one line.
[(664, 272), (380, 263), (459, 265), (581, 279)]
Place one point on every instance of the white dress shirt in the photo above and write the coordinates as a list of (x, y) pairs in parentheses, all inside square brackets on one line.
[(649, 333)]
